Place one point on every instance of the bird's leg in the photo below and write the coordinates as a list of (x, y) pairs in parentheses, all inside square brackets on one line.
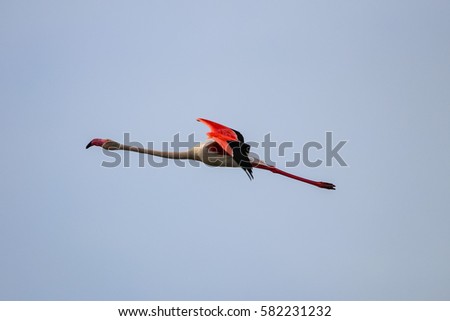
[(260, 164)]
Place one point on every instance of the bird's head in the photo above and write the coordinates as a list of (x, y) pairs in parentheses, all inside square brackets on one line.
[(96, 142), (105, 143)]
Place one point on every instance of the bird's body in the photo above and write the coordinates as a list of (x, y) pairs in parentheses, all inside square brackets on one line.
[(225, 149), (212, 154)]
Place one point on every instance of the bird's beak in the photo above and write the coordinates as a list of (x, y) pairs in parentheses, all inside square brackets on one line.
[(96, 142)]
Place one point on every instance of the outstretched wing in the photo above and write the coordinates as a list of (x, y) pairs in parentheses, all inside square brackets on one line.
[(221, 134), (232, 143)]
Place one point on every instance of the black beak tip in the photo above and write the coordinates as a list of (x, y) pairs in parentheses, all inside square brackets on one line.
[(88, 145)]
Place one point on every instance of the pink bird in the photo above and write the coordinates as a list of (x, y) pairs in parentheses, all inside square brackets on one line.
[(226, 148)]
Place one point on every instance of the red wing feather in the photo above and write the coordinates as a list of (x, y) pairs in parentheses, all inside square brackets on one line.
[(232, 143), (221, 134)]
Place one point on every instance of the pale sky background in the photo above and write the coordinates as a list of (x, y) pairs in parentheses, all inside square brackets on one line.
[(375, 73)]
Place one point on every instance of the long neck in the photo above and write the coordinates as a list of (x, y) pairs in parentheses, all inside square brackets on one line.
[(189, 154)]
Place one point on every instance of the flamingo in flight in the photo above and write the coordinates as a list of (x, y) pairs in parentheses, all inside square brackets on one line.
[(225, 149)]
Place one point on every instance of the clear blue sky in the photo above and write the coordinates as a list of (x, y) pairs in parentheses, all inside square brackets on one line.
[(375, 73)]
